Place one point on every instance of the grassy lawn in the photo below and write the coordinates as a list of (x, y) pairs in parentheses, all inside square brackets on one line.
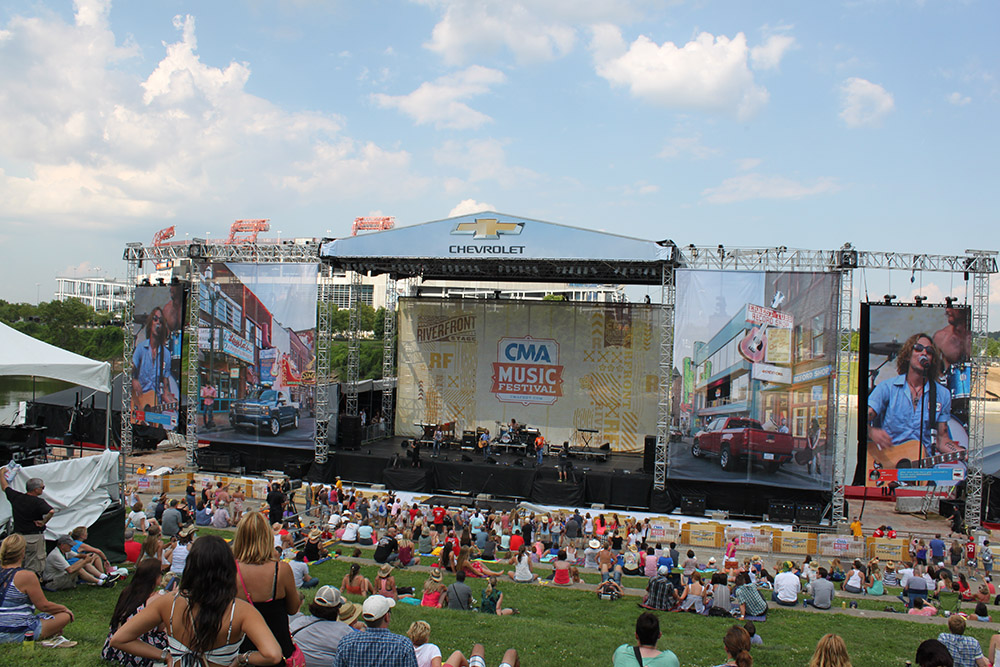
[(561, 627)]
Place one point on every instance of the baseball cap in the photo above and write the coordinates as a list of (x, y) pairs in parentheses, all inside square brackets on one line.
[(64, 539), (376, 606), (663, 569), (328, 596)]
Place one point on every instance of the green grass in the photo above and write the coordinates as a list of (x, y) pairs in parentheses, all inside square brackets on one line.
[(562, 627)]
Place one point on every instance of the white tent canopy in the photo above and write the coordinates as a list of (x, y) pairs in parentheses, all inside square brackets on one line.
[(21, 354)]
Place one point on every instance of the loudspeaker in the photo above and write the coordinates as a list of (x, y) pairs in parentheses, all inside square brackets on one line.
[(649, 456), (468, 439), (691, 505), (808, 513), (350, 432), (466, 458), (781, 511)]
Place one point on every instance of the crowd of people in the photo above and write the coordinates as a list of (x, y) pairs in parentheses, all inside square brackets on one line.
[(208, 602)]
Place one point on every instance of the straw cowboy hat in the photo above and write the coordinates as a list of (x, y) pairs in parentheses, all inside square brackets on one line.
[(315, 534), (349, 612), (436, 574), (385, 570)]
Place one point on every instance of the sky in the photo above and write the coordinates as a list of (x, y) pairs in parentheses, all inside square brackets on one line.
[(802, 124)]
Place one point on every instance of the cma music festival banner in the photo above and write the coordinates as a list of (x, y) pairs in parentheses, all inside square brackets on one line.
[(555, 366), (908, 353), (754, 354), (157, 333), (256, 353)]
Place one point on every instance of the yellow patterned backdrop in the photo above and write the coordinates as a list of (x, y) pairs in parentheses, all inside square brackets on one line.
[(552, 365)]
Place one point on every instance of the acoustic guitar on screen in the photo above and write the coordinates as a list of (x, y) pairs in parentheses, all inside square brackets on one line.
[(149, 401), (910, 454), (754, 345)]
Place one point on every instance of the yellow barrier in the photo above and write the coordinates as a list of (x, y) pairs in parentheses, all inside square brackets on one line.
[(702, 535), (886, 549), (791, 542)]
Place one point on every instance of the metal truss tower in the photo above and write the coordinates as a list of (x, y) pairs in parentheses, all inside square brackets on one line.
[(980, 264), (324, 338), (842, 393), (132, 264), (389, 354), (668, 293), (191, 368)]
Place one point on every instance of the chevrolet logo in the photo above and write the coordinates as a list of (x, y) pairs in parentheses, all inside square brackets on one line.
[(487, 228)]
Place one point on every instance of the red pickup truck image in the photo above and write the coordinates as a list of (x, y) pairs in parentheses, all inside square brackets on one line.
[(734, 439)]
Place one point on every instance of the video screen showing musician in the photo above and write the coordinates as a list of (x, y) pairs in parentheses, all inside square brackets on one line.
[(156, 356), (914, 406)]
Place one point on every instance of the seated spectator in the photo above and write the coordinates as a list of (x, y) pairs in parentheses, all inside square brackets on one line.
[(429, 655), (965, 651), (176, 554), (787, 586), (202, 515), (609, 589), (836, 571), (459, 593), (133, 549), (690, 565), (350, 613), (831, 651), (23, 597), (562, 574), (693, 597), (721, 595), (377, 645), (737, 645), (982, 613), (366, 534), (750, 601), (874, 584), (152, 547), (141, 591), (350, 534), (755, 639), (821, 590), (385, 583), (80, 548), (313, 549), (319, 634), (922, 607), (493, 600), (434, 591), (478, 657), (406, 555), (645, 654), (61, 575), (590, 554), (137, 518), (650, 565), (932, 653), (355, 583), (471, 567), (221, 518), (660, 592), (387, 550), (522, 567), (300, 572)]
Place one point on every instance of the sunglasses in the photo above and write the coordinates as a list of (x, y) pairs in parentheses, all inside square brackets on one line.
[(917, 347), (157, 318)]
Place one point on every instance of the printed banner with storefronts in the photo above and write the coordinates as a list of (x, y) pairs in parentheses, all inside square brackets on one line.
[(754, 352), (157, 331), (255, 340), (913, 358), (575, 372)]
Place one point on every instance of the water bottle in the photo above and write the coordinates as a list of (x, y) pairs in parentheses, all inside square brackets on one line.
[(28, 644)]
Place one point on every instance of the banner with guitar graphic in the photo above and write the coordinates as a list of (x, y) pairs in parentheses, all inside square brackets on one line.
[(913, 394), (157, 330), (755, 354)]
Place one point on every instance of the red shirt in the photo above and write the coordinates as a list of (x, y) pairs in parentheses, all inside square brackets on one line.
[(516, 542), (439, 513), (133, 550), (878, 533), (970, 550), (413, 514)]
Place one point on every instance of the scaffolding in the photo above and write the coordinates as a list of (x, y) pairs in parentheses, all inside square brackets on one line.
[(664, 407), (324, 339), (389, 353), (354, 347), (128, 349), (191, 331), (980, 264), (842, 392)]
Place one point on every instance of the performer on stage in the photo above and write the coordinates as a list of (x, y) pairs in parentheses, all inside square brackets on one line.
[(484, 444), (899, 409), (539, 448), (151, 366), (438, 438), (564, 464)]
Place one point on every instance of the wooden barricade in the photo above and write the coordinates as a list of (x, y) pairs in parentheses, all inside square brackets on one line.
[(703, 535), (758, 540), (886, 549), (663, 530), (794, 542), (841, 546)]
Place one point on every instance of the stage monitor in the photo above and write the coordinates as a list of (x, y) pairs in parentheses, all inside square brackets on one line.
[(914, 386), (157, 329), (256, 353), (754, 354)]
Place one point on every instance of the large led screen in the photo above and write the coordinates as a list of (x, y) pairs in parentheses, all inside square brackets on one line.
[(913, 395), (157, 332), (754, 355), (256, 353)]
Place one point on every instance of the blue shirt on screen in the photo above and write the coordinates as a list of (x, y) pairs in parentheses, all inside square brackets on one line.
[(892, 401)]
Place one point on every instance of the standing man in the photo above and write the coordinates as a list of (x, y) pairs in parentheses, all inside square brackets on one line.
[(438, 439), (276, 503), (539, 449), (937, 549), (31, 513), (375, 646), (856, 527), (484, 444)]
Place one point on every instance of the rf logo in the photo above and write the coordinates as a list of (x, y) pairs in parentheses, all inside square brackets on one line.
[(487, 228)]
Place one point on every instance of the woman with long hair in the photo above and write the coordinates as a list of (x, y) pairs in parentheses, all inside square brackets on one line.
[(264, 580), (140, 592), (493, 600), (23, 596), (435, 594), (152, 546), (204, 620), (522, 567), (737, 645), (831, 651), (355, 583), (470, 567)]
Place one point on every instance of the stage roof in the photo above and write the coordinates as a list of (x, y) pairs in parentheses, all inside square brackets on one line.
[(495, 246)]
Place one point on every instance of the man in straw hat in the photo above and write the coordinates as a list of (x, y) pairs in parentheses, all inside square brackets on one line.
[(377, 645)]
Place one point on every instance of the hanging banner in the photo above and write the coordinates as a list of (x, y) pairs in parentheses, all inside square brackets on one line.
[(554, 366)]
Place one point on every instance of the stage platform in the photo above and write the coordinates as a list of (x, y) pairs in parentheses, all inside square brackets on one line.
[(618, 482)]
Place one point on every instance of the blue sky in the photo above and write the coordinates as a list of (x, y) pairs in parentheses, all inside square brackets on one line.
[(802, 124)]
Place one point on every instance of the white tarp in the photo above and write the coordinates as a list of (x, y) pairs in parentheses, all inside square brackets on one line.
[(78, 489), (21, 354)]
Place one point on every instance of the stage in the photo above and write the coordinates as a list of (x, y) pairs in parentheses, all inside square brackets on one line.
[(617, 482)]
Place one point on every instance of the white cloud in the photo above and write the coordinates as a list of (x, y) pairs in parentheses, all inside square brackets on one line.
[(709, 73), (769, 54), (958, 99), (532, 31), (863, 103), (641, 188), (440, 102), (748, 163), (483, 160), (467, 206), (677, 146), (759, 186), (87, 145)]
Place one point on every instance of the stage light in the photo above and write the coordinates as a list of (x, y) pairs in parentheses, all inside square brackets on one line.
[(919, 300), (888, 298), (145, 282), (160, 281), (950, 300)]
